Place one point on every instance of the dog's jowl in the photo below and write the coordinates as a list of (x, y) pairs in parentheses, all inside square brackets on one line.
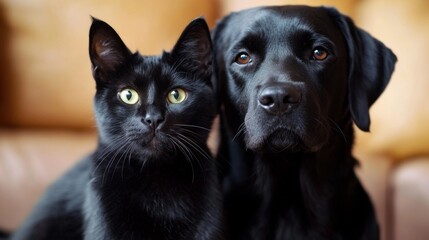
[(293, 79)]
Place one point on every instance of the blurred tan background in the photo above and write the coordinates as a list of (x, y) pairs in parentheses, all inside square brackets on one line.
[(46, 90)]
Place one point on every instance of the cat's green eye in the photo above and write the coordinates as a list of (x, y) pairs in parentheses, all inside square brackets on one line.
[(176, 96), (129, 96)]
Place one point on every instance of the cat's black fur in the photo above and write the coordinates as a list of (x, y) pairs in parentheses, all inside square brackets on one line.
[(151, 176)]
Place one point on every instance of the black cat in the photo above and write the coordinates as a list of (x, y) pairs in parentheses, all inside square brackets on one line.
[(151, 176)]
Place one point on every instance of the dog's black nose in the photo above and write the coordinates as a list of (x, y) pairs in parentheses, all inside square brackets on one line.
[(279, 99)]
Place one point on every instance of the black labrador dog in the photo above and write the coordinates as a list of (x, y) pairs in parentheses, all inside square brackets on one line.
[(293, 79)]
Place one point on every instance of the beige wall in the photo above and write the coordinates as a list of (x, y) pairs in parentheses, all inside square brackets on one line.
[(346, 6)]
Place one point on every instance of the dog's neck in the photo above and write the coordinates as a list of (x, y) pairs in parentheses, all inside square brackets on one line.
[(334, 155), (278, 183), (285, 180)]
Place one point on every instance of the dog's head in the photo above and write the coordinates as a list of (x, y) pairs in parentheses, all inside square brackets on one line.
[(291, 76)]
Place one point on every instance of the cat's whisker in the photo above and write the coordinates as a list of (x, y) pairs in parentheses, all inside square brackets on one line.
[(110, 153), (194, 145), (241, 131), (143, 164), (189, 131), (130, 153), (107, 149), (105, 152), (111, 162), (193, 126), (171, 140), (197, 147), (124, 156), (186, 152), (190, 155)]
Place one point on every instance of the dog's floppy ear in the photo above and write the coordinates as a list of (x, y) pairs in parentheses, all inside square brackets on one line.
[(106, 50), (371, 65)]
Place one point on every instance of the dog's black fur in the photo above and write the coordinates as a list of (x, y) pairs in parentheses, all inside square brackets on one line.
[(293, 79)]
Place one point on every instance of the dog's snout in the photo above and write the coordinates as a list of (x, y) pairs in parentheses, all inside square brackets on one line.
[(279, 99)]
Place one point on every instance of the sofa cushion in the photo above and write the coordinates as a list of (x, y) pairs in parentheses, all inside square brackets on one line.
[(410, 200), (374, 173), (32, 159)]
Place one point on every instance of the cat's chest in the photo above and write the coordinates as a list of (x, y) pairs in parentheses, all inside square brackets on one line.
[(153, 196), (138, 199), (147, 210)]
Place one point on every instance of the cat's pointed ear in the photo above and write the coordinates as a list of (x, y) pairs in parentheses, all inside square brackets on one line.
[(193, 50), (106, 49)]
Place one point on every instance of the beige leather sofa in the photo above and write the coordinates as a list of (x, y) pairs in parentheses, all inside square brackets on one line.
[(46, 90)]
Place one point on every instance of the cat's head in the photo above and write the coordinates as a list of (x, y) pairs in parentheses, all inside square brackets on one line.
[(151, 105)]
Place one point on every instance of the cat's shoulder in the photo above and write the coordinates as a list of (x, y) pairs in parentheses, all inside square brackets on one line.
[(71, 186)]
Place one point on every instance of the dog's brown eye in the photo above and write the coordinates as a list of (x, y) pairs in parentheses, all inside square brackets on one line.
[(243, 58), (319, 54)]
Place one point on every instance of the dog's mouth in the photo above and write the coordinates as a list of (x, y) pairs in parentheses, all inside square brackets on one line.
[(279, 134), (284, 140), (279, 140)]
